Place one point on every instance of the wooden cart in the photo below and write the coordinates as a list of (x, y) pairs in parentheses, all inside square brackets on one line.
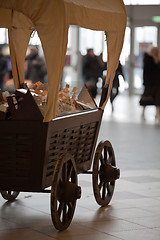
[(35, 155)]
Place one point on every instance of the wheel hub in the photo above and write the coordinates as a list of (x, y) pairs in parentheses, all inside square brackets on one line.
[(109, 173), (68, 192)]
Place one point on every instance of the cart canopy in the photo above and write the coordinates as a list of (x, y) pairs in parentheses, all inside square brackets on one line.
[(51, 19)]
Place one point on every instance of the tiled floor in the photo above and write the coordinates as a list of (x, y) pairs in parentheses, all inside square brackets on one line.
[(134, 211)]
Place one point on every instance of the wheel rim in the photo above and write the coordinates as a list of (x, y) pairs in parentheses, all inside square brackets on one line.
[(9, 195), (103, 188), (63, 204)]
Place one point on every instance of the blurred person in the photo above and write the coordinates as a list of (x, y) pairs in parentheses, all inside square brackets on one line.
[(151, 79), (115, 87), (102, 68), (102, 65), (91, 71), (35, 66), (3, 69), (157, 95)]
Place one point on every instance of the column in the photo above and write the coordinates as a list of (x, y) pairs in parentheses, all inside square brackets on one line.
[(131, 59), (158, 36), (75, 57)]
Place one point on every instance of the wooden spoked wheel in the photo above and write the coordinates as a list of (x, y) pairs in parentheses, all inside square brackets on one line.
[(9, 195), (104, 173), (64, 192)]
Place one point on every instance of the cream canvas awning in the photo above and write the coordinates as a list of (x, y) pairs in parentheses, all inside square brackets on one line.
[(51, 19)]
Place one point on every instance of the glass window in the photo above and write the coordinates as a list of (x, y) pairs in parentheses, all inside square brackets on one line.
[(144, 37), (124, 58), (3, 35), (91, 39), (34, 40)]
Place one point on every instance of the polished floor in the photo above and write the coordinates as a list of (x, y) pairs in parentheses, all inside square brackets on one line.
[(134, 211)]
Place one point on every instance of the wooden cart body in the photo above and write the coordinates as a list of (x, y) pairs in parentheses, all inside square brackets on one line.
[(30, 149)]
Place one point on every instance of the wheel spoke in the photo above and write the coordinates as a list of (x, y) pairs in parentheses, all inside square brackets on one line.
[(105, 154), (108, 188), (70, 207), (70, 169), (104, 191), (64, 172), (64, 213), (109, 161), (70, 204), (102, 159), (100, 185), (60, 208)]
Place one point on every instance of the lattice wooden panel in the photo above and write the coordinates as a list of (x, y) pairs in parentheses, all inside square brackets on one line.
[(78, 141)]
